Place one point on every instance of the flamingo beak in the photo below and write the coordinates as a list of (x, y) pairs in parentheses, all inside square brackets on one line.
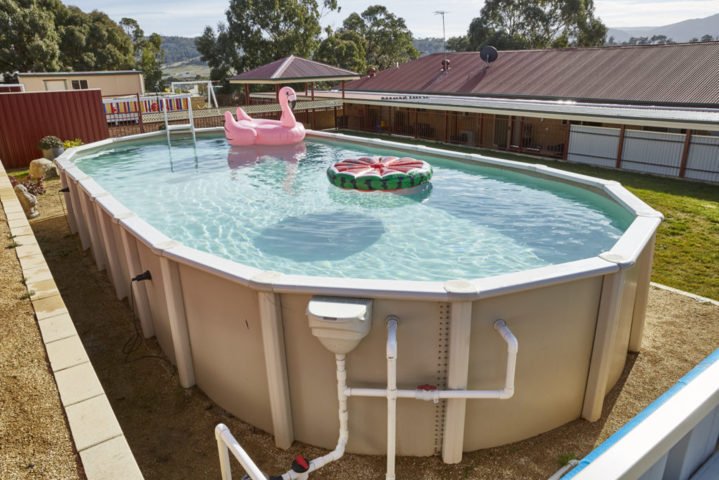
[(292, 98)]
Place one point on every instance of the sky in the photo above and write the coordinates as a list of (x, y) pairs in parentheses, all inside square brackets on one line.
[(188, 18)]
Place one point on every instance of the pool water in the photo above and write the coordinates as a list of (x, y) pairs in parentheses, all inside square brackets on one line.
[(274, 209)]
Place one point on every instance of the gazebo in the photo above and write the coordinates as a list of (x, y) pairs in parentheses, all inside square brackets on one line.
[(293, 70)]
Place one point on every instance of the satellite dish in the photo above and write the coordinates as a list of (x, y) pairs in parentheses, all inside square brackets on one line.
[(488, 53)]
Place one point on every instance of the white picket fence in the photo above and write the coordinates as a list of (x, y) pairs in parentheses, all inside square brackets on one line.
[(645, 151)]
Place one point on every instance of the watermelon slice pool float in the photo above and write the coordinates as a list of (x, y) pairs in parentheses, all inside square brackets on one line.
[(379, 173)]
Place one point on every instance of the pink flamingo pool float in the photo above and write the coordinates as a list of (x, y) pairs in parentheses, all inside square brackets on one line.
[(248, 131)]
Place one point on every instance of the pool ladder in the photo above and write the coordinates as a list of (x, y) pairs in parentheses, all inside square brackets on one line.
[(180, 127)]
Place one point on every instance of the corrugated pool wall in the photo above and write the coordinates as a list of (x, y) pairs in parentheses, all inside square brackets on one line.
[(27, 117)]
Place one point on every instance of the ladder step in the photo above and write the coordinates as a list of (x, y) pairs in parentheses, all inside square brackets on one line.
[(187, 126)]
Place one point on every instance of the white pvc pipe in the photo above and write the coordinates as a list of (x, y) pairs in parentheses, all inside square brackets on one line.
[(560, 473), (339, 450), (437, 395), (226, 441), (391, 395)]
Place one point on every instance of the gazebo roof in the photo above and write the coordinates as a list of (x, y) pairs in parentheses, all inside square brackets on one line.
[(294, 70)]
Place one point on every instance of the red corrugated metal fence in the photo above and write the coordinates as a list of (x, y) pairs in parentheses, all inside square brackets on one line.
[(27, 117)]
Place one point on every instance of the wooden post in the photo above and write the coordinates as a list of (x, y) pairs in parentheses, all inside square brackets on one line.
[(521, 134), (139, 114), (685, 154), (456, 120), (481, 131), (567, 136), (446, 126), (509, 131), (312, 122), (247, 94), (620, 147), (335, 111), (391, 121), (277, 92), (343, 89), (416, 127)]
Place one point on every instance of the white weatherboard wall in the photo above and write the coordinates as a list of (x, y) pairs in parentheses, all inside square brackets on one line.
[(646, 152), (703, 163), (652, 152), (593, 145)]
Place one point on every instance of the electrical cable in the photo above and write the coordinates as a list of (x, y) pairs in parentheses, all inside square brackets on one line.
[(137, 340)]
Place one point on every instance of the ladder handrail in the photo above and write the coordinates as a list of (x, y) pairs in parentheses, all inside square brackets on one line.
[(191, 120)]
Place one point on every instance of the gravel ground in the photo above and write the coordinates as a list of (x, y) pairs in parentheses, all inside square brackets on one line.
[(170, 430), (35, 440)]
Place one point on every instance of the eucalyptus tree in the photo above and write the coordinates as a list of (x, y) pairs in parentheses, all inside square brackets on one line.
[(260, 31), (385, 36), (522, 24), (344, 49), (29, 40)]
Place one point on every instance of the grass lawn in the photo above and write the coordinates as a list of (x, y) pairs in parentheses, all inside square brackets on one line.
[(687, 248)]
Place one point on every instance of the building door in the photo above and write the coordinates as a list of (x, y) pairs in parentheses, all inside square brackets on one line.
[(501, 124), (55, 85)]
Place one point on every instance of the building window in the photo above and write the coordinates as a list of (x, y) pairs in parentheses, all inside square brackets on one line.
[(79, 84)]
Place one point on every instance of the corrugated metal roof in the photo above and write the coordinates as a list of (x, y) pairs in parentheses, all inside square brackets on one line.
[(293, 69), (679, 74)]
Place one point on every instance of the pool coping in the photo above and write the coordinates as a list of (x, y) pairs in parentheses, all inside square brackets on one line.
[(622, 255), (95, 430)]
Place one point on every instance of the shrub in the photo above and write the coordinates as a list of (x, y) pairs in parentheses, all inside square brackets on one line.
[(49, 142), (36, 187), (75, 142)]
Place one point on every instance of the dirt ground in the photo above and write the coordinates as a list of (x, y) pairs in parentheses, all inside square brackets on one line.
[(170, 429), (35, 440)]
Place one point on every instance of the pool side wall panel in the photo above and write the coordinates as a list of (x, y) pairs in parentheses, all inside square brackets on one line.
[(313, 386), (555, 329), (155, 289), (226, 340)]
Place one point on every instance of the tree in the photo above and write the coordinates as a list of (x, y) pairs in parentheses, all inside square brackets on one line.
[(386, 38), (522, 24), (344, 49), (45, 35), (28, 38), (148, 53), (706, 38), (259, 31), (458, 44)]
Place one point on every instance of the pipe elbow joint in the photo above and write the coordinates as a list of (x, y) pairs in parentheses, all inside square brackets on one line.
[(512, 342), (507, 393)]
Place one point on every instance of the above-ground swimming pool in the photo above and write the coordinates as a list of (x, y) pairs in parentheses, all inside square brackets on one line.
[(272, 208), (239, 240)]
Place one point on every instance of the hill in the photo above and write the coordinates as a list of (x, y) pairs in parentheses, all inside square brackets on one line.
[(679, 32), (428, 45), (180, 49)]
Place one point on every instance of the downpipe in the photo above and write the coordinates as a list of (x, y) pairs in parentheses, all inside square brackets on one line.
[(339, 450)]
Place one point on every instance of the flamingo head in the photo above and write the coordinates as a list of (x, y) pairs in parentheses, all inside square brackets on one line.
[(290, 95)]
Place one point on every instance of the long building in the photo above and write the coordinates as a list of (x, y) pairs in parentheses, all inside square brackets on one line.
[(646, 108)]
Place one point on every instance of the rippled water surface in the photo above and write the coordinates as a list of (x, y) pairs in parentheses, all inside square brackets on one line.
[(273, 208)]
